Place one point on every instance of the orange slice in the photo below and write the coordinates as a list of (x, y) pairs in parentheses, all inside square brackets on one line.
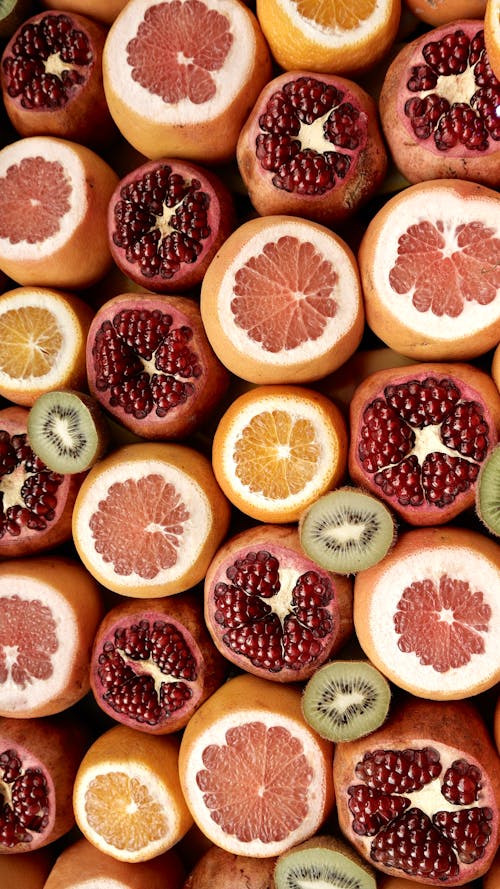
[(492, 34), (281, 301), (277, 448), (127, 797), (43, 333), (256, 777), (346, 37), (148, 519)]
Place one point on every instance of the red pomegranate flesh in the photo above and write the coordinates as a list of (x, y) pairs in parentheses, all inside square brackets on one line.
[(51, 76), (150, 365), (167, 219), (439, 106), (312, 147), (270, 609), (419, 798), (153, 664), (419, 436)]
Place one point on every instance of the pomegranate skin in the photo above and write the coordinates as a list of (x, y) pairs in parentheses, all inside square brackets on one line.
[(220, 870), (458, 734), (437, 486), (359, 158), (189, 660), (199, 203), (82, 114), (419, 158)]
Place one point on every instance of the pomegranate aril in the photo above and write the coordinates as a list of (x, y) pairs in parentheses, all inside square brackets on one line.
[(461, 783), (412, 844), (373, 808), (468, 831), (399, 771)]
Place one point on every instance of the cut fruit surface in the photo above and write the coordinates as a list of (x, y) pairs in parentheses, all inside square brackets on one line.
[(281, 301), (429, 263), (149, 518), (127, 797), (428, 615), (68, 430), (323, 861), (43, 334), (255, 776), (277, 448), (180, 76)]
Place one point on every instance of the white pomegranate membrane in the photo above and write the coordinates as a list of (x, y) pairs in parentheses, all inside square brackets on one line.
[(434, 617), (334, 36), (416, 270), (45, 178), (230, 738), (173, 95)]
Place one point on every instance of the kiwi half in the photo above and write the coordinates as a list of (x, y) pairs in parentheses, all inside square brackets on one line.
[(323, 861), (345, 700), (488, 492), (67, 430), (347, 530)]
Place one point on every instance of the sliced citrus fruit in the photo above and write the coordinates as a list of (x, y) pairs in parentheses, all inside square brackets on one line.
[(281, 301), (180, 76), (345, 37), (430, 268), (277, 448), (492, 34), (43, 333), (256, 777), (127, 797), (54, 198), (148, 519)]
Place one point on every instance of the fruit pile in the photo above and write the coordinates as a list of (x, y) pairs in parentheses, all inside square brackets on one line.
[(249, 444)]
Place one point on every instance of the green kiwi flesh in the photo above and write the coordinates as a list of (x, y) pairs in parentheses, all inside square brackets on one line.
[(67, 431), (347, 530), (488, 492), (325, 863), (345, 700)]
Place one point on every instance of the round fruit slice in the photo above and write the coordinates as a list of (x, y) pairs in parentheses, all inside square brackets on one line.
[(151, 366), (180, 76), (430, 266), (271, 610), (68, 430), (420, 797), (39, 758), (488, 492), (329, 37), (323, 861), (419, 436), (311, 146), (148, 519), (256, 777), (492, 34), (54, 198), (51, 607), (127, 797), (277, 448), (281, 301), (153, 663), (345, 700), (43, 334), (428, 615), (438, 106), (167, 219)]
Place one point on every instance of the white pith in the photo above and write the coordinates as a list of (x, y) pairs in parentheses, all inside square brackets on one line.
[(215, 733), (444, 205), (334, 36), (230, 79), (325, 439), (14, 698), (346, 294), (158, 793), (405, 669), (69, 329), (51, 151), (195, 530)]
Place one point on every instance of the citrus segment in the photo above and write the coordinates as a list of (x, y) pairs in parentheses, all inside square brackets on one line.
[(281, 301), (255, 776), (276, 448)]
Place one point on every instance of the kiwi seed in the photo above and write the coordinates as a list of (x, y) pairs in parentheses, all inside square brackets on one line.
[(488, 492), (325, 862), (345, 700), (67, 430), (347, 530)]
